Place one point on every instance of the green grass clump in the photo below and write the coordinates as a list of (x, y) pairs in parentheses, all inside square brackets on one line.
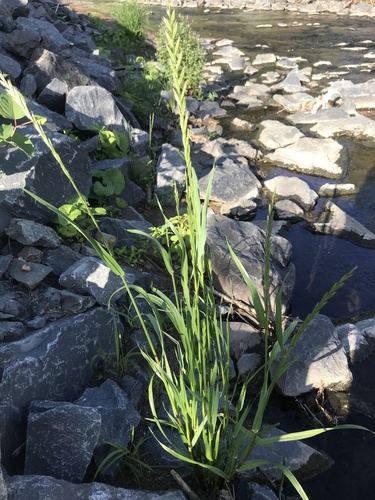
[(132, 18)]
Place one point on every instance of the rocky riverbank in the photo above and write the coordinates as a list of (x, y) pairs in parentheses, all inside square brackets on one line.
[(350, 7), (54, 325)]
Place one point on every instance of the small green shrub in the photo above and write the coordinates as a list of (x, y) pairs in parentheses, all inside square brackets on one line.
[(190, 51), (132, 16), (112, 145)]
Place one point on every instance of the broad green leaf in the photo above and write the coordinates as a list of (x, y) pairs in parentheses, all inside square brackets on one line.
[(6, 132), (101, 190), (114, 177), (9, 108), (24, 144)]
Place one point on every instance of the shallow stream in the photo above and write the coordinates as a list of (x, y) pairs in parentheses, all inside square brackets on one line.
[(320, 260)]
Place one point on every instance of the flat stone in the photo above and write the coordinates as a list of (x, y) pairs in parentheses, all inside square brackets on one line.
[(329, 190), (322, 157), (29, 274), (90, 276), (288, 210), (333, 220), (231, 182), (276, 135), (228, 50), (263, 59), (292, 188), (294, 103), (355, 126)]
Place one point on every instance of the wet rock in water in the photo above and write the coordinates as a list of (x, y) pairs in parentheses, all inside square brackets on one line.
[(355, 126), (293, 103), (298, 457), (228, 51), (231, 182), (243, 124), (28, 232), (61, 440), (358, 339), (329, 190), (288, 210), (241, 209), (292, 188), (321, 361), (263, 59), (322, 157), (276, 135), (333, 220), (49, 488), (210, 109), (291, 84), (247, 241)]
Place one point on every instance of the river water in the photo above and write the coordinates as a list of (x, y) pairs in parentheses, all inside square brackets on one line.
[(320, 260)]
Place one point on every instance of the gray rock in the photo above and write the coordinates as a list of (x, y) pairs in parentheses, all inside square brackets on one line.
[(288, 210), (321, 361), (92, 105), (10, 67), (55, 303), (291, 84), (243, 338), (247, 241), (13, 305), (42, 175), (241, 209), (55, 121), (51, 38), (22, 43), (330, 190), (48, 488), (60, 258), (121, 230), (54, 95), (335, 221), (321, 116), (294, 103), (28, 232), (276, 135), (31, 367), (228, 51), (118, 415), (355, 126), (264, 59), (300, 459), (28, 86), (231, 147), (210, 109), (170, 170), (11, 330), (29, 274), (357, 339), (6, 19), (292, 188), (4, 264), (90, 276), (132, 387), (139, 340), (255, 491), (31, 254), (3, 488), (231, 182), (248, 363), (60, 441), (103, 75), (323, 157)]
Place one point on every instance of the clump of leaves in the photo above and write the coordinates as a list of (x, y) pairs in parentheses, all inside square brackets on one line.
[(10, 110), (190, 51), (131, 255), (76, 211), (113, 144), (167, 235)]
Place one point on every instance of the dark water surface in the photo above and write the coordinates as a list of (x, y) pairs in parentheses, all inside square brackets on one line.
[(320, 260)]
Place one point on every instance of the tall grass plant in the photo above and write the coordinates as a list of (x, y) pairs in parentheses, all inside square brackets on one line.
[(204, 411)]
